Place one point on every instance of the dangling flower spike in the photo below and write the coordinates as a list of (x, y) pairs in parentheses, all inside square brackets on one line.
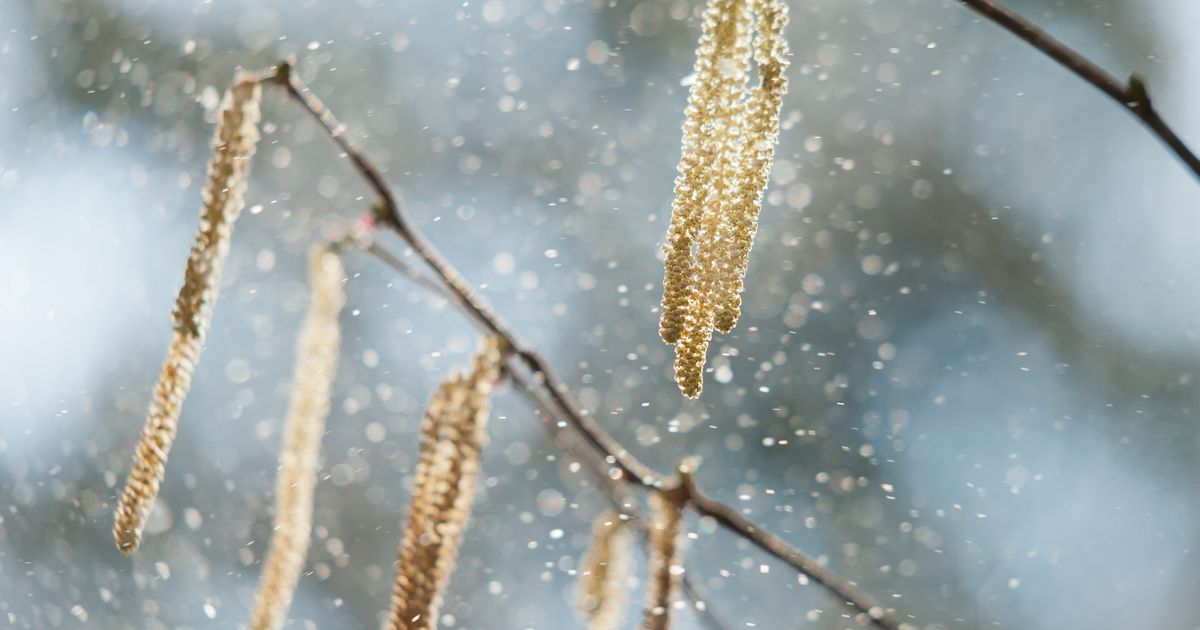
[(316, 363), (453, 433), (729, 137), (228, 170)]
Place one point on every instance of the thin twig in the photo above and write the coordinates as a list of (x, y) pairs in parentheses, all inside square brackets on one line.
[(1132, 94), (630, 469), (846, 591), (695, 594), (412, 273), (463, 293)]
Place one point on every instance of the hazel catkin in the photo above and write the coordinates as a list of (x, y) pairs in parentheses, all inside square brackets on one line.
[(602, 593), (316, 364), (222, 196), (453, 433), (665, 565), (729, 137)]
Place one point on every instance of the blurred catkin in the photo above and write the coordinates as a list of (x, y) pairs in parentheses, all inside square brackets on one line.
[(453, 433), (233, 146), (316, 364), (602, 592), (729, 137), (665, 566)]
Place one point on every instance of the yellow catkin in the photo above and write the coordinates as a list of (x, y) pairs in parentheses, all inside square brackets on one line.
[(740, 132), (453, 433), (602, 592), (694, 182), (665, 565), (758, 152), (727, 134), (233, 146), (316, 364)]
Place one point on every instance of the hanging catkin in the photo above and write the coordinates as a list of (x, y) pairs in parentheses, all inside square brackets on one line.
[(758, 153), (316, 363), (453, 433), (708, 98), (665, 565), (233, 146), (602, 594), (729, 142), (726, 131)]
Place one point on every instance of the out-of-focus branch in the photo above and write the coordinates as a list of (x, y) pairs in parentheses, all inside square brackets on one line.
[(730, 519), (622, 466), (1132, 95), (613, 491)]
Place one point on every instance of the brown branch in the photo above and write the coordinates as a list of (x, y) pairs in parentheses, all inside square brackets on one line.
[(1132, 94), (693, 592), (463, 293), (846, 591), (412, 273), (615, 456)]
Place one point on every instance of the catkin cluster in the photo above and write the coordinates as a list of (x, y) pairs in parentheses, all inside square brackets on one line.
[(453, 433), (665, 564), (601, 594), (316, 364), (729, 135), (233, 146)]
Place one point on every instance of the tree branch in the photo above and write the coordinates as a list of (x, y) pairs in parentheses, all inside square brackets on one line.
[(847, 591), (392, 216), (1132, 95), (694, 593), (626, 467)]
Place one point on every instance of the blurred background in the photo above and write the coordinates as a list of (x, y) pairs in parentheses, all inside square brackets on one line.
[(966, 377)]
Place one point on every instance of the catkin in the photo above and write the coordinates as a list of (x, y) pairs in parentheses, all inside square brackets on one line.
[(316, 364), (728, 147), (758, 153), (665, 564), (453, 433), (694, 183), (233, 146), (601, 593), (713, 241)]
